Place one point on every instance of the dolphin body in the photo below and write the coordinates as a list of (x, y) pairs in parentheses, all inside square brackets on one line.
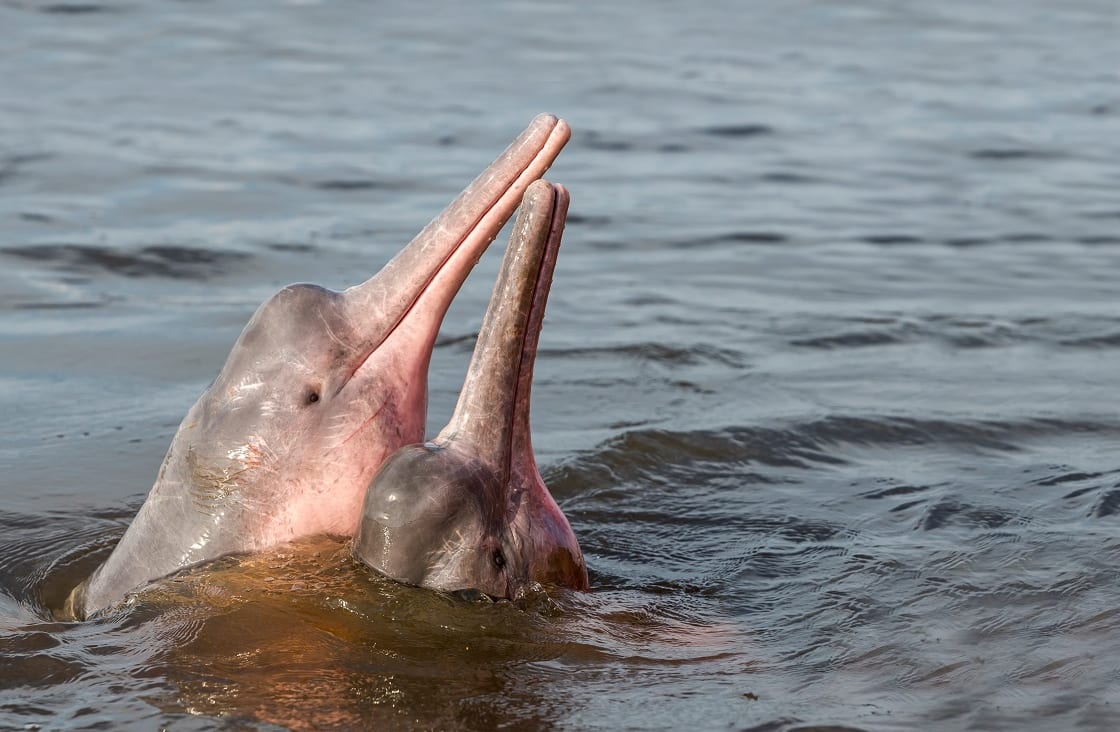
[(469, 510), (318, 390)]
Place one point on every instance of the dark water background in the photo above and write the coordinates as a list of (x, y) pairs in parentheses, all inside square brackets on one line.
[(829, 386)]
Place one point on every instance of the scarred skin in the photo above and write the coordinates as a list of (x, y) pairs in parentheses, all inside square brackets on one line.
[(469, 510), (319, 389)]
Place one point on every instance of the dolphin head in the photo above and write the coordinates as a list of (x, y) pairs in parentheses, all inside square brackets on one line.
[(469, 510), (320, 387)]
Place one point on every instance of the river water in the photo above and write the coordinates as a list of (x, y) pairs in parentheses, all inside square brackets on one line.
[(829, 386)]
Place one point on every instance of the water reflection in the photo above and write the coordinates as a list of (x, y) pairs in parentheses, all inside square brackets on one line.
[(307, 638)]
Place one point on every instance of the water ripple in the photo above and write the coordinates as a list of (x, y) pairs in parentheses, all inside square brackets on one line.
[(176, 262)]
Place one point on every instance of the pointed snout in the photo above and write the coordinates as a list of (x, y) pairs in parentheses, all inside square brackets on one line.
[(492, 414), (469, 510), (416, 287)]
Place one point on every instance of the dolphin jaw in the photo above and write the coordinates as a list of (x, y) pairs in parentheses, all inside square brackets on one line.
[(462, 232), (170, 532)]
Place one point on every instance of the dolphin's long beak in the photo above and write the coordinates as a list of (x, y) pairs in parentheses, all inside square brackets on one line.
[(469, 509), (493, 409), (419, 283)]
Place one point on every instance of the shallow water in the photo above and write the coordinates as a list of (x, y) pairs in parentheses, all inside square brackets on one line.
[(828, 385)]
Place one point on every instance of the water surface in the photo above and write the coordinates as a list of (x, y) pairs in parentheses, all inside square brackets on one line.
[(827, 388)]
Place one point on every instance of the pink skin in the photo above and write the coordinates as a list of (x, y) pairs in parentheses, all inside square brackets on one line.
[(469, 510), (319, 389), (545, 536), (491, 419)]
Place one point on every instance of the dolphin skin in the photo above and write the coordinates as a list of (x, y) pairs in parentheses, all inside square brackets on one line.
[(469, 510), (318, 390)]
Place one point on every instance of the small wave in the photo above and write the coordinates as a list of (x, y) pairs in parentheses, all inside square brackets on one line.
[(1013, 153), (75, 9), (296, 247), (1063, 478), (603, 143), (896, 490), (1025, 238), (855, 339), (1108, 504), (949, 511), (25, 663), (783, 724), (987, 434), (352, 184), (43, 557), (175, 262), (893, 239), (738, 130), (12, 165), (36, 218), (691, 456), (1110, 340), (658, 353), (679, 140), (963, 242), (734, 237), (787, 178), (978, 331), (588, 220)]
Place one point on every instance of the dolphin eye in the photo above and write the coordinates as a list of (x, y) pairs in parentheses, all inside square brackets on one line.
[(312, 397), (498, 558)]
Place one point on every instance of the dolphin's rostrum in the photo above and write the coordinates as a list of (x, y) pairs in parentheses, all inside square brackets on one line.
[(319, 389), (469, 510)]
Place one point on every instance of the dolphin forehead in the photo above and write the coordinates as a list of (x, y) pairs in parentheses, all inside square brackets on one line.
[(318, 390), (431, 518), (469, 510)]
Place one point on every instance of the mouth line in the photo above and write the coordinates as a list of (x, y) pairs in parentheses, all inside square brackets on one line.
[(423, 289), (491, 416), (367, 422), (534, 319)]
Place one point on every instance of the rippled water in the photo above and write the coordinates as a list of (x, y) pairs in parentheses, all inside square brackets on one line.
[(828, 386)]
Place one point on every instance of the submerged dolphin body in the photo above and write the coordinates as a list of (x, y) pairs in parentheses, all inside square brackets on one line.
[(469, 511), (319, 389)]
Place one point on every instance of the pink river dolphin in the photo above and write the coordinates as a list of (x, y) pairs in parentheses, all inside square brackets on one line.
[(320, 388)]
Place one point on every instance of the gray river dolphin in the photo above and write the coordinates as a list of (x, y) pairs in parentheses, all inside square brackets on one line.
[(318, 390), (469, 510)]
